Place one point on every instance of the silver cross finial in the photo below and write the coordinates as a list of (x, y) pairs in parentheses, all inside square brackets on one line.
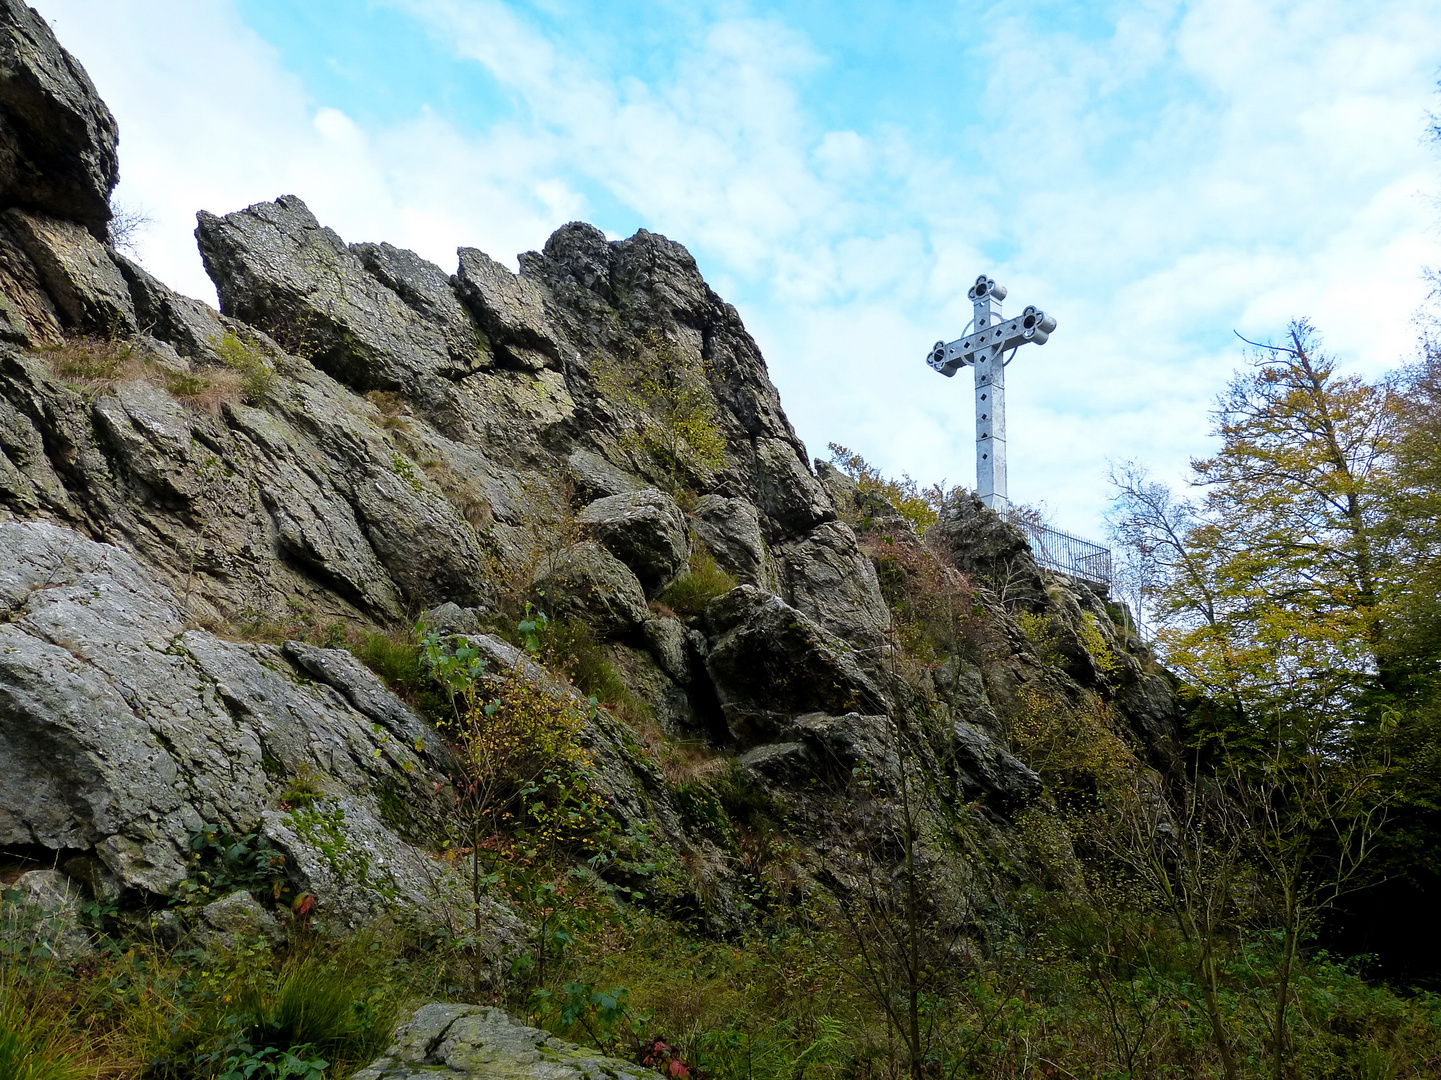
[(984, 348)]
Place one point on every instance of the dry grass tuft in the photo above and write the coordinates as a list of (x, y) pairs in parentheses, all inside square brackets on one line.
[(99, 365), (467, 496), (94, 364), (687, 762), (394, 411)]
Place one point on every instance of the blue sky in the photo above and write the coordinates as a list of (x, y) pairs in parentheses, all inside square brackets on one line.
[(1155, 173)]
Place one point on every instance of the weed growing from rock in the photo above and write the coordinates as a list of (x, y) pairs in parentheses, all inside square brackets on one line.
[(703, 582), (257, 375), (675, 418)]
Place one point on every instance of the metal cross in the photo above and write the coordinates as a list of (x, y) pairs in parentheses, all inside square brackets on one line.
[(984, 348)]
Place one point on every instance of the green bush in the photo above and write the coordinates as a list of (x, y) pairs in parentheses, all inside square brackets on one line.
[(397, 662), (257, 376), (693, 590), (317, 1011)]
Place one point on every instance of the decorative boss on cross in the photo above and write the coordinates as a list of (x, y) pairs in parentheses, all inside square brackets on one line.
[(984, 349)]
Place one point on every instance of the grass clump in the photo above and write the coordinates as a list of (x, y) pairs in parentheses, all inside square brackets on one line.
[(257, 376), (312, 1015), (703, 582), (568, 647), (93, 363), (97, 365), (33, 1046)]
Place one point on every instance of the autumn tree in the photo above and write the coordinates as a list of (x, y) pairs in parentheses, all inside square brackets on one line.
[(1416, 516), (1276, 592), (1273, 588)]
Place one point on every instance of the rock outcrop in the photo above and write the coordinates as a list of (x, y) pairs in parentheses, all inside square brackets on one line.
[(190, 500), (126, 733), (57, 138)]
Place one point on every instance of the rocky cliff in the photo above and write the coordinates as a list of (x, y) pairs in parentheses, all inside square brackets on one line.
[(195, 504)]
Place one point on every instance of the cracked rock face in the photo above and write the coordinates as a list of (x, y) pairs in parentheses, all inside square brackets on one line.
[(124, 731), (770, 662), (643, 529)]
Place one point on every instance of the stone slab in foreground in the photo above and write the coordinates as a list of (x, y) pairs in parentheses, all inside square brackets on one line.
[(476, 1041)]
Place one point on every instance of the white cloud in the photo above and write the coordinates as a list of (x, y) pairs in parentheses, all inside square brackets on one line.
[(1210, 165)]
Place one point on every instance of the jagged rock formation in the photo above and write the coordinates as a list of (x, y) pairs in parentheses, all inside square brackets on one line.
[(57, 138), (358, 437)]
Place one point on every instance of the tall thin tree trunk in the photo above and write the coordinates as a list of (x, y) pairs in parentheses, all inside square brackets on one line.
[(1212, 982), (1289, 940)]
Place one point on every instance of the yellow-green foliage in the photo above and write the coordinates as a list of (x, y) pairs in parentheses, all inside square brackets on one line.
[(920, 507), (677, 420), (697, 587), (1094, 642), (519, 744), (1048, 842), (406, 471), (1040, 630), (1076, 748), (185, 384), (1044, 631), (257, 376)]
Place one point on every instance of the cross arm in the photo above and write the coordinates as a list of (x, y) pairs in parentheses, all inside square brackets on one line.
[(1032, 325)]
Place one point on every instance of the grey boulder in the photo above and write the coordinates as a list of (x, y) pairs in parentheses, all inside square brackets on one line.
[(233, 921), (191, 327), (730, 529), (786, 490), (826, 749), (643, 529), (826, 576), (588, 583), (989, 770), (995, 552), (473, 1041), (510, 308), (41, 915), (81, 278)]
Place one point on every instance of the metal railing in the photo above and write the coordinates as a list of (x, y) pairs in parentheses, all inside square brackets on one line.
[(1067, 554)]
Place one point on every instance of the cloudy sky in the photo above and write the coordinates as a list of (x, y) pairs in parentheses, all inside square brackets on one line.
[(1155, 173)]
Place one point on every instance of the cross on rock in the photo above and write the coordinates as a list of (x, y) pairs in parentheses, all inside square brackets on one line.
[(984, 349)]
